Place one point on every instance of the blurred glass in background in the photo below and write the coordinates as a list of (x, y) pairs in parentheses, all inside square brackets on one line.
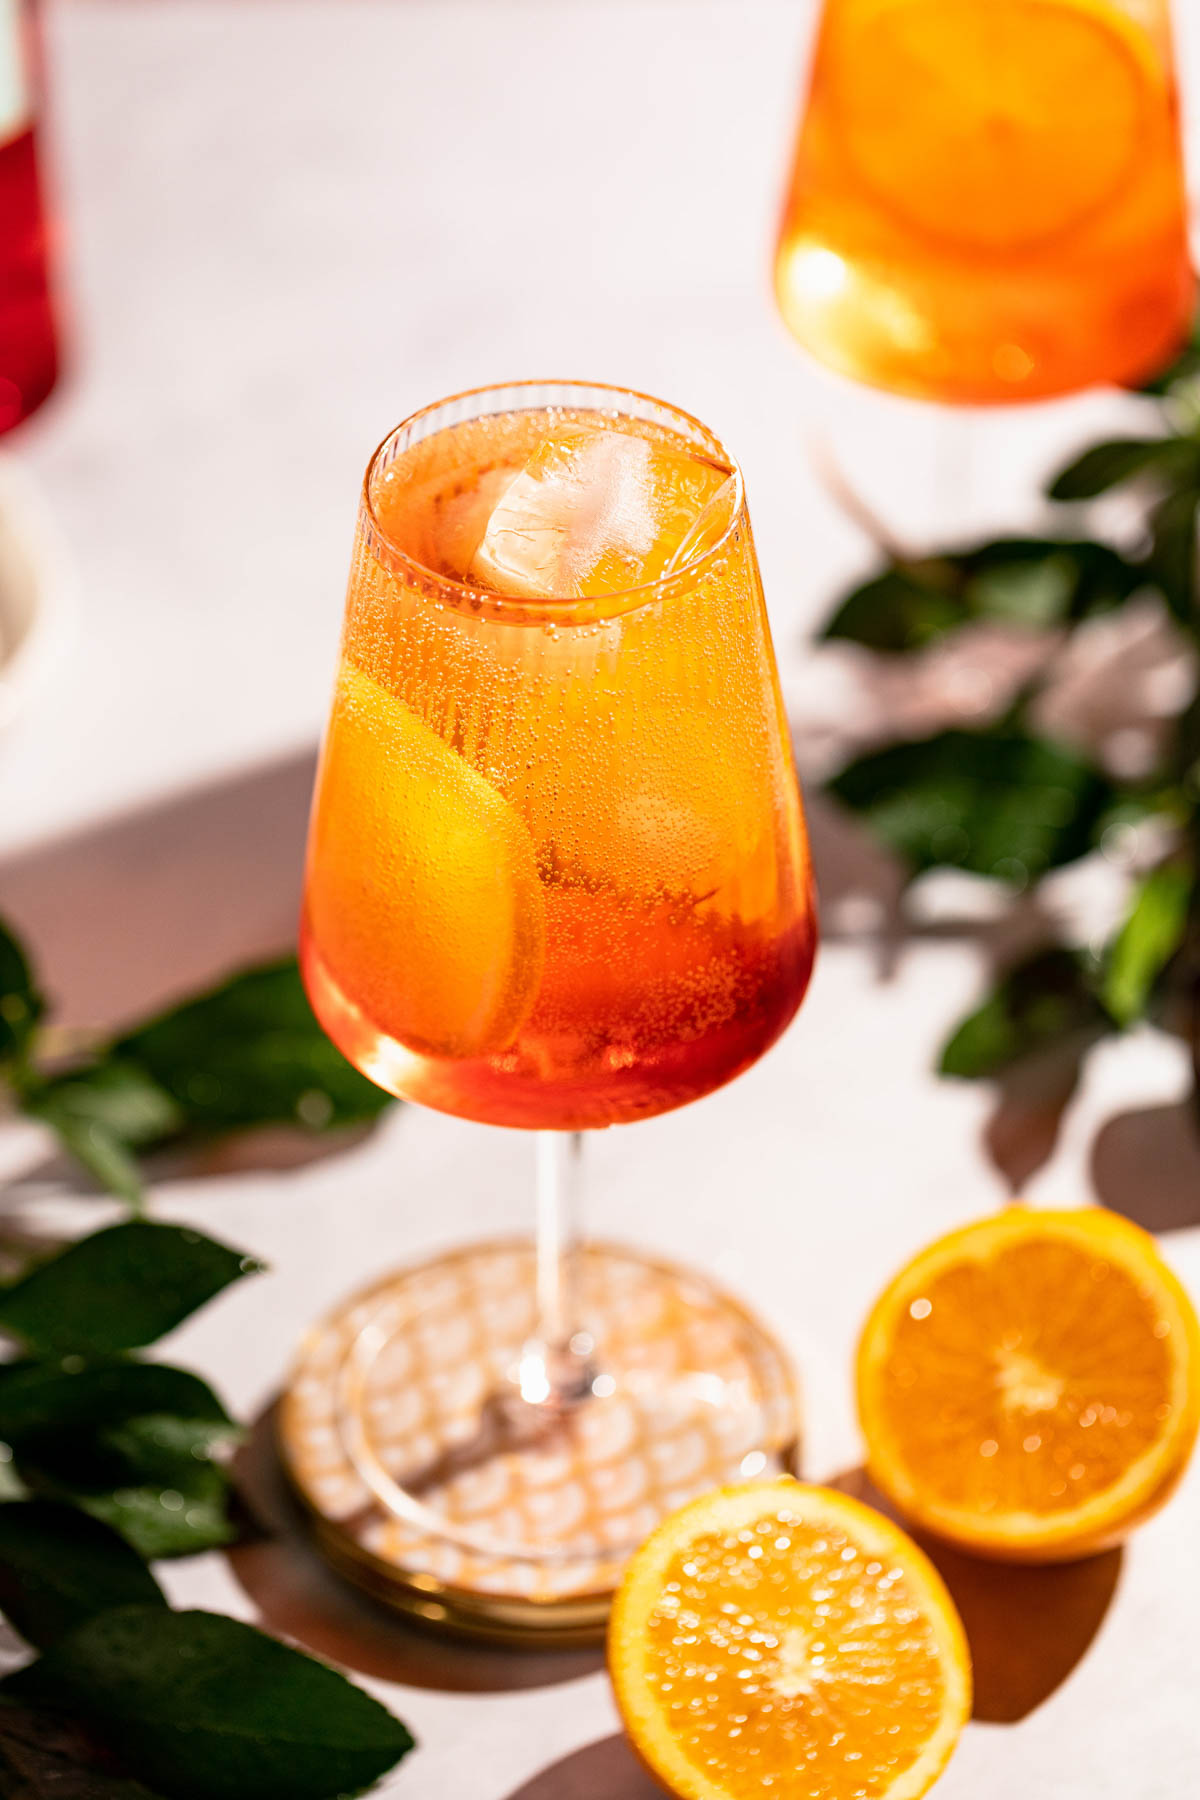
[(28, 335)]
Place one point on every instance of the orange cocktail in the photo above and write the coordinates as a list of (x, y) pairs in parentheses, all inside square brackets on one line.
[(557, 878), (558, 874), (987, 199)]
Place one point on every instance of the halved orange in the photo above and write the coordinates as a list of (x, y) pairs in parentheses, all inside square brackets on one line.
[(780, 1637), (1029, 1386), (992, 125), (423, 894)]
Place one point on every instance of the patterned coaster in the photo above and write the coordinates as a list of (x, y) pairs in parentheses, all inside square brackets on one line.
[(429, 1491)]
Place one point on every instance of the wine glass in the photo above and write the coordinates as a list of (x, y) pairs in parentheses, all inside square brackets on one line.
[(987, 199), (986, 205), (558, 879)]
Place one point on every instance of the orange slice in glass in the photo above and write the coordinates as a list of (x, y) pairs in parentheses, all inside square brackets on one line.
[(778, 1637), (1029, 1386), (423, 894), (993, 124)]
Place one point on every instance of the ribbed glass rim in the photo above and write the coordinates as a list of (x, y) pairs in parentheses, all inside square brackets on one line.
[(527, 396)]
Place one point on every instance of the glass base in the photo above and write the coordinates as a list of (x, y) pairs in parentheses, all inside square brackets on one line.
[(436, 1486)]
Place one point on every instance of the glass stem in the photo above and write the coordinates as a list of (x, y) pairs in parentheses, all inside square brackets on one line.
[(556, 1365)]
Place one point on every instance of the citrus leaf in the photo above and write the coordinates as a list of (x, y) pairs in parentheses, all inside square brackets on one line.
[(203, 1707), (151, 1479), (1042, 582), (1152, 933), (99, 1115), (1171, 564), (999, 803), (130, 1443), (1106, 466), (1046, 1001), (21, 1005), (119, 1289), (118, 1096), (45, 1757), (163, 1505), (251, 1053), (61, 1396), (106, 1159), (905, 608), (58, 1567), (1034, 582)]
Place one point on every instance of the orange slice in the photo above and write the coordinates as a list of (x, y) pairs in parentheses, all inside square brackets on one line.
[(1029, 1386), (778, 1637), (993, 124), (423, 893), (592, 512)]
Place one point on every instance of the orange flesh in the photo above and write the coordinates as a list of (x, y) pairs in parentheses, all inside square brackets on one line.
[(772, 1636), (823, 1662), (557, 874), (987, 201), (1031, 1384)]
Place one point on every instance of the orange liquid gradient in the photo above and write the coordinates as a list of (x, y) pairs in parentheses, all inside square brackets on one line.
[(987, 198), (558, 875)]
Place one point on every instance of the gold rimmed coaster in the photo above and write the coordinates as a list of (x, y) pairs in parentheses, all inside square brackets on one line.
[(425, 1489)]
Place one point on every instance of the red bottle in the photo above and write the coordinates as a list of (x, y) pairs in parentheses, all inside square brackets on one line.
[(28, 340)]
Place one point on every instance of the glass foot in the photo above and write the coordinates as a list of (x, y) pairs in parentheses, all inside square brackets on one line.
[(412, 1431)]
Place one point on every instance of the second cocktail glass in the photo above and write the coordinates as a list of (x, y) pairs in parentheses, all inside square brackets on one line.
[(986, 202), (558, 879)]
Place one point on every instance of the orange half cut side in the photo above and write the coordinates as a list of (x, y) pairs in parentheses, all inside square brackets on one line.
[(1029, 1386), (779, 1637)]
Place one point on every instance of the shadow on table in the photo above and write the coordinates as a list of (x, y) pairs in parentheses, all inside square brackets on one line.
[(159, 903), (135, 912), (605, 1770), (1027, 1626), (1146, 1164), (300, 1598), (861, 890)]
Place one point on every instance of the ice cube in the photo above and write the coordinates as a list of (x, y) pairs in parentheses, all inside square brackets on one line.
[(440, 521), (594, 511)]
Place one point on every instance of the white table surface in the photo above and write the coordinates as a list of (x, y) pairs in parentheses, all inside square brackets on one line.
[(288, 222)]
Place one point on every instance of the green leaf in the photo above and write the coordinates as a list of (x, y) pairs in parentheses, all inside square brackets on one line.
[(251, 1053), (906, 607), (130, 1443), (1035, 582), (120, 1288), (1041, 582), (203, 1707), (21, 1005), (152, 1479), (92, 1144), (46, 1757), (1109, 465), (117, 1095), (96, 1149), (1151, 935), (999, 803), (65, 1395), (1172, 560), (58, 1567), (1042, 1003)]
